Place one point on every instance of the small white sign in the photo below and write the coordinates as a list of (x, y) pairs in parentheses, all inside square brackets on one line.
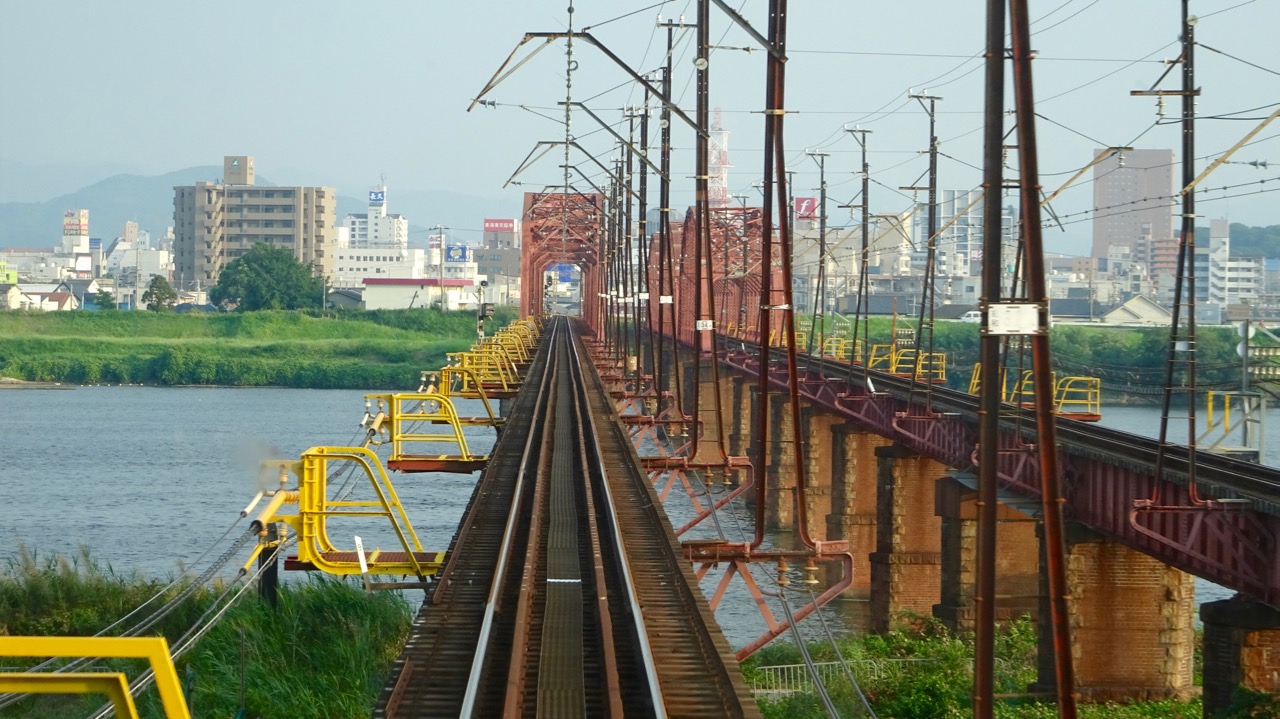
[(704, 325), (1013, 319), (364, 566), (644, 296), (666, 300)]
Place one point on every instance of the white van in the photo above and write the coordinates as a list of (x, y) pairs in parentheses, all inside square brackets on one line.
[(971, 316)]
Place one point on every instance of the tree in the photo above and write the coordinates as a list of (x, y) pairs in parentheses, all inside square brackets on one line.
[(159, 296), (266, 278), (104, 300)]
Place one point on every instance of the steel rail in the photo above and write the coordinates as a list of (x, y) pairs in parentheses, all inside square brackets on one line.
[(495, 591), (581, 410), (646, 650)]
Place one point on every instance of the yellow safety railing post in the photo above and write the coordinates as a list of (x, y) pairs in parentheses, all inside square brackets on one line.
[(154, 649)]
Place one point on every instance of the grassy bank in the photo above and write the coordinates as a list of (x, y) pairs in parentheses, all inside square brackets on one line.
[(347, 350), (921, 671), (1126, 359), (324, 653)]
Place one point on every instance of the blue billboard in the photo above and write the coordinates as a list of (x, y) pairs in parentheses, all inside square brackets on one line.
[(565, 273), (455, 253)]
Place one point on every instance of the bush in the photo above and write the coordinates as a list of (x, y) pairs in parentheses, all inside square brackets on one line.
[(325, 652)]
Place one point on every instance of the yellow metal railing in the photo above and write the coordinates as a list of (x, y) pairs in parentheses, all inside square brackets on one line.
[(464, 383), (842, 348), (491, 368), (778, 338), (409, 413), (882, 357), (315, 509), (927, 366), (114, 684), (1078, 396)]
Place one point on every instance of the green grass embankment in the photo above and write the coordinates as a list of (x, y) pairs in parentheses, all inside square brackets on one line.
[(348, 350), (920, 671), (325, 652), (1129, 360)]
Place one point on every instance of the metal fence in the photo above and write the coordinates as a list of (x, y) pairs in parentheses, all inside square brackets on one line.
[(790, 678)]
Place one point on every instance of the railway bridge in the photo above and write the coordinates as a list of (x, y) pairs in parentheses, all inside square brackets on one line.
[(870, 464), (590, 578)]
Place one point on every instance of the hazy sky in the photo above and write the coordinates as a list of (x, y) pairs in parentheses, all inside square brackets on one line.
[(342, 93)]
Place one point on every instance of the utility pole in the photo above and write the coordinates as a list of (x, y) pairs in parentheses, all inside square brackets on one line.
[(820, 289), (984, 599), (860, 135), (440, 238), (1182, 344), (666, 280), (927, 295)]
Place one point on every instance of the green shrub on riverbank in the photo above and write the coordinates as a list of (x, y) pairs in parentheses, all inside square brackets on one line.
[(920, 671), (352, 349), (325, 652)]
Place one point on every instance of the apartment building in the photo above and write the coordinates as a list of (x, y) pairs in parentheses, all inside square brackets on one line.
[(216, 222)]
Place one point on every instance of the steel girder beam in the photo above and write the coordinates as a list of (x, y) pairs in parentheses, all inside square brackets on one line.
[(1236, 548)]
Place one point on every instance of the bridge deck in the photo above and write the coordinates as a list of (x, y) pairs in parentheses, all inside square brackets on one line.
[(538, 576)]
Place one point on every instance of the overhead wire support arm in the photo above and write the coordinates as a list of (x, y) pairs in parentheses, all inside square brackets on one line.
[(548, 144), (530, 159), (499, 76), (1227, 155), (627, 143), (769, 47)]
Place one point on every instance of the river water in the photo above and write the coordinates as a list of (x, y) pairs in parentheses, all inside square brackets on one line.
[(148, 478)]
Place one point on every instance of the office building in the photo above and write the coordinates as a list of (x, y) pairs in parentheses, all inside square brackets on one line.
[(1132, 200), (377, 229)]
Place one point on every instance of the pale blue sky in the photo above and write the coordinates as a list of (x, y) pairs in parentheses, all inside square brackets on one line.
[(341, 93)]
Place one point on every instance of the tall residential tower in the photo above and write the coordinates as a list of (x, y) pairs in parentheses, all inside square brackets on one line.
[(216, 222), (1132, 200)]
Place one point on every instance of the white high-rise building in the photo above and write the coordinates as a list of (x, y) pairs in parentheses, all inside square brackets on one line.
[(377, 229)]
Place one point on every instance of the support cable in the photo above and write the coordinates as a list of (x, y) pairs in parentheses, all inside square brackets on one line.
[(844, 665), (805, 656)]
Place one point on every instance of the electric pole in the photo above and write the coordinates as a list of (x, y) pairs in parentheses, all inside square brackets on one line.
[(924, 347), (820, 289), (860, 135)]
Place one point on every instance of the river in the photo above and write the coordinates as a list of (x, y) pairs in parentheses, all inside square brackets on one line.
[(148, 478)]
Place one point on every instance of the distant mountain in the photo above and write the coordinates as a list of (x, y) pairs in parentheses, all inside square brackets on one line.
[(149, 201), (20, 182), (111, 202)]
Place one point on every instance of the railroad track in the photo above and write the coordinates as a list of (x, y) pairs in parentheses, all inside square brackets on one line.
[(542, 608)]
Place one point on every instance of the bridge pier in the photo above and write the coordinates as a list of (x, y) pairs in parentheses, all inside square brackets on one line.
[(741, 407), (907, 564), (1017, 558), (818, 444), (780, 476), (1131, 623), (1241, 649), (853, 496), (708, 444)]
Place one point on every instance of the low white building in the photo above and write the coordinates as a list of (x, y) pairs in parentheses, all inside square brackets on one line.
[(352, 265), (404, 293)]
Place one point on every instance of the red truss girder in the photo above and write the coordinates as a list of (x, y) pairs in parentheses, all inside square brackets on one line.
[(733, 276), (1236, 548), (560, 228)]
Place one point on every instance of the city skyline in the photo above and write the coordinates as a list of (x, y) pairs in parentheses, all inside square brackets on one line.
[(389, 104)]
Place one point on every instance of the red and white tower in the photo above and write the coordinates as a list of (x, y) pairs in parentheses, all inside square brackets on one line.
[(718, 184)]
